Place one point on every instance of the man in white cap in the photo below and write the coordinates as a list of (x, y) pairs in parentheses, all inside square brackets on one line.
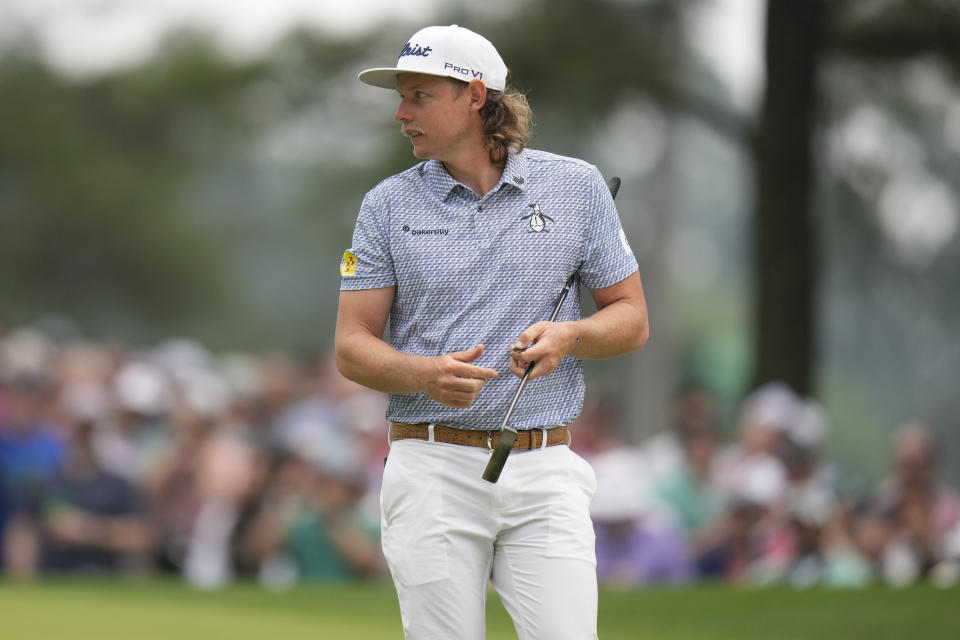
[(463, 253)]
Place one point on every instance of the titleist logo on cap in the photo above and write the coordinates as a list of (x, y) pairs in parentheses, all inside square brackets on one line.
[(415, 50)]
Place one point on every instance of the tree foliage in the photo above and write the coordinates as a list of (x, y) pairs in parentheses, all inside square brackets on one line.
[(91, 174)]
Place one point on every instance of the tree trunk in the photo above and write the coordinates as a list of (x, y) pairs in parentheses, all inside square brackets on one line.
[(785, 237)]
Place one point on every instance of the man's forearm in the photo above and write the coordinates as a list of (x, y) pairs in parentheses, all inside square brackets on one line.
[(368, 360), (618, 328)]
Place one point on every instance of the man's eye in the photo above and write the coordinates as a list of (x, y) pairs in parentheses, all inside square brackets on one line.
[(420, 94)]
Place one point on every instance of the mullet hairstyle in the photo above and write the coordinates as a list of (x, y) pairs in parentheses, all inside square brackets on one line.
[(506, 118)]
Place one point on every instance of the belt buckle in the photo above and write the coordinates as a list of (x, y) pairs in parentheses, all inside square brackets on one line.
[(490, 439)]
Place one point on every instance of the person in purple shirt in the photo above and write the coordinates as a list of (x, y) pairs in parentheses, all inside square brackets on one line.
[(638, 542)]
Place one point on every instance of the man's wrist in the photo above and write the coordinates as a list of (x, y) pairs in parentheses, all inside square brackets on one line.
[(418, 372), (574, 336)]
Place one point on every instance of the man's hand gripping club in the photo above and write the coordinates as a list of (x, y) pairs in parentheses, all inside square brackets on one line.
[(544, 343)]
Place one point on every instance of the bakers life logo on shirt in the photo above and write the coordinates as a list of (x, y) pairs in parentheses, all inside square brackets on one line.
[(415, 50), (424, 232)]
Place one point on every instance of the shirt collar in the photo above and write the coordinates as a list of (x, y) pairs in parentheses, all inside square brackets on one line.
[(515, 173), (443, 184)]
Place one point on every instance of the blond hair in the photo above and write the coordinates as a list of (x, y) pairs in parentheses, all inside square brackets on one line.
[(506, 117), (506, 123)]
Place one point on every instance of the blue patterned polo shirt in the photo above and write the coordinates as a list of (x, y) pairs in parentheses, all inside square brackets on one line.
[(471, 270)]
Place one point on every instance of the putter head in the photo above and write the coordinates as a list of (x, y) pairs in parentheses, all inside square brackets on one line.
[(499, 456)]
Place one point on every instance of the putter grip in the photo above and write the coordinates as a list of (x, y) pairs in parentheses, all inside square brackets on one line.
[(614, 185), (499, 456)]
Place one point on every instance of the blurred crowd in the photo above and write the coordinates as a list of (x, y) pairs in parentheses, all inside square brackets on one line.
[(765, 509), (176, 460), (173, 459)]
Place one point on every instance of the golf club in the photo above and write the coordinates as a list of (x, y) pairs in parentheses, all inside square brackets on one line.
[(508, 435)]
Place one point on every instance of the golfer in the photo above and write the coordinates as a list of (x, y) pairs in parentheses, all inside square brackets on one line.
[(465, 254)]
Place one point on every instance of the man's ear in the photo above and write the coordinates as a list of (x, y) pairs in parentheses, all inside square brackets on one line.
[(478, 94)]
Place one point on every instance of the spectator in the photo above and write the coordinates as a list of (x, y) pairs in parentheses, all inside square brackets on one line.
[(364, 413), (764, 419), (129, 443), (595, 428), (172, 487), (281, 383), (309, 527), (687, 490), (230, 466), (746, 532), (665, 451), (637, 542), (32, 451), (871, 531), (923, 510), (313, 426), (92, 520)]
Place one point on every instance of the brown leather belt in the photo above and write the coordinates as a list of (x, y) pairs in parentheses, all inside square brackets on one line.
[(532, 439)]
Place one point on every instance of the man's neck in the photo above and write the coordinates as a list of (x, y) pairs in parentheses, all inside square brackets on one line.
[(476, 171)]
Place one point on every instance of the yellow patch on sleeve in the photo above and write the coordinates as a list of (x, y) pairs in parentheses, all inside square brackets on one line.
[(349, 265)]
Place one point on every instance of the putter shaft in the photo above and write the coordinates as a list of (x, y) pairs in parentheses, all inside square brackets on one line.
[(508, 435)]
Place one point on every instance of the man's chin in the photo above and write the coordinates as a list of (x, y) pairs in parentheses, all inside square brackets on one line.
[(421, 154)]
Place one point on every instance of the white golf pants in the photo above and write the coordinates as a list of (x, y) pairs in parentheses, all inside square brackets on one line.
[(447, 533)]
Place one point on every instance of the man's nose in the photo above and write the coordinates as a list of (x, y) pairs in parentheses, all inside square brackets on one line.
[(402, 114)]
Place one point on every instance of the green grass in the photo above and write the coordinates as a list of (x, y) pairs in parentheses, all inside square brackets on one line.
[(88, 609)]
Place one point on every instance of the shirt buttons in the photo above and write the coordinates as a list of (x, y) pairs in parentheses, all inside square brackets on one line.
[(479, 207), (518, 180)]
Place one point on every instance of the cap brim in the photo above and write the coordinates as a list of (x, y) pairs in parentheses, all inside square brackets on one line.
[(386, 77)]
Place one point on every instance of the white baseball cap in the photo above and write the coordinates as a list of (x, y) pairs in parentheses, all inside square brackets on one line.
[(451, 51)]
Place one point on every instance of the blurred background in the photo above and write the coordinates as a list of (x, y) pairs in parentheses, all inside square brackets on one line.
[(178, 180)]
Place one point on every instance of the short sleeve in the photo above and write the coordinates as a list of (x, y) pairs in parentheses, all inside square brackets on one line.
[(368, 263), (608, 258)]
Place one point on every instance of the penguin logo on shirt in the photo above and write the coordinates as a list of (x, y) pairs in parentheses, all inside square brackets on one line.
[(538, 219)]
